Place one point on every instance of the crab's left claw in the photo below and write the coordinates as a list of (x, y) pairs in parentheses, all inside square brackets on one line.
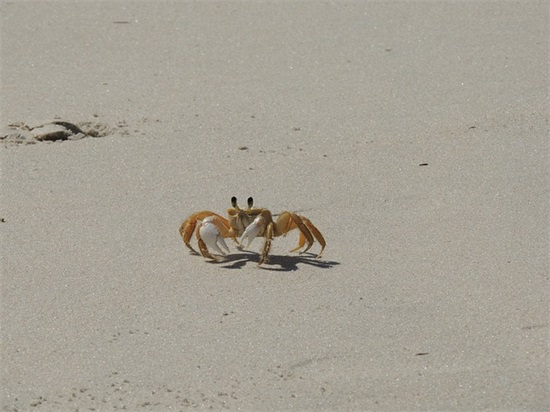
[(211, 235), (252, 231)]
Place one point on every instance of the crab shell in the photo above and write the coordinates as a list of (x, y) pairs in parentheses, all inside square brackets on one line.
[(246, 224)]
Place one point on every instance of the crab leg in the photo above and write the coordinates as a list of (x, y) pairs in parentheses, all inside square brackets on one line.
[(202, 246), (261, 226), (318, 236), (267, 243), (288, 221)]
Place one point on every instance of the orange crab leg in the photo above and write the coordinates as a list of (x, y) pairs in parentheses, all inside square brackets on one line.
[(288, 221), (262, 226), (318, 236), (188, 226), (268, 234)]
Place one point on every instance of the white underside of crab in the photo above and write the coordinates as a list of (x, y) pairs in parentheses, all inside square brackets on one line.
[(211, 236)]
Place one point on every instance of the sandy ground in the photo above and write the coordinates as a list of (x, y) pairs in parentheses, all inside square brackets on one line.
[(414, 135)]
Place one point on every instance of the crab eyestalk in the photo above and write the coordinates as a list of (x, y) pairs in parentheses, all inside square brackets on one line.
[(250, 202), (252, 231), (211, 236)]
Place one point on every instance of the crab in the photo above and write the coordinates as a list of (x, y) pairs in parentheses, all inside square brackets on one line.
[(244, 225)]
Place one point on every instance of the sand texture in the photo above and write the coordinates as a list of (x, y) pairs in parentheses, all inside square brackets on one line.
[(414, 135)]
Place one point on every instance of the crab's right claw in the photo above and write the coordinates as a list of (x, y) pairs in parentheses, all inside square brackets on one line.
[(252, 231), (211, 236)]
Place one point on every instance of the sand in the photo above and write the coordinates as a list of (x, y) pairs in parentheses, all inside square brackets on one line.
[(413, 135)]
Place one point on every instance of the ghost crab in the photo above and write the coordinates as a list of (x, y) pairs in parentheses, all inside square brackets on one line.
[(246, 224)]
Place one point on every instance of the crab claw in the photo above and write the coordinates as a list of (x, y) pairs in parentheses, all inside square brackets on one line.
[(211, 235), (252, 231)]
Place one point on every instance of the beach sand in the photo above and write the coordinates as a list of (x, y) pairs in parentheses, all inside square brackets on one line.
[(414, 135)]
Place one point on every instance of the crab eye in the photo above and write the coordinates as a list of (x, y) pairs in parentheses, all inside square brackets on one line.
[(234, 201), (250, 202)]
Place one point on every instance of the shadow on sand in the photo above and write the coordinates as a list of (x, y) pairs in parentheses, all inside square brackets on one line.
[(274, 263)]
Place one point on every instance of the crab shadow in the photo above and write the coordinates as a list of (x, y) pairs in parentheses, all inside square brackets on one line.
[(275, 263)]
